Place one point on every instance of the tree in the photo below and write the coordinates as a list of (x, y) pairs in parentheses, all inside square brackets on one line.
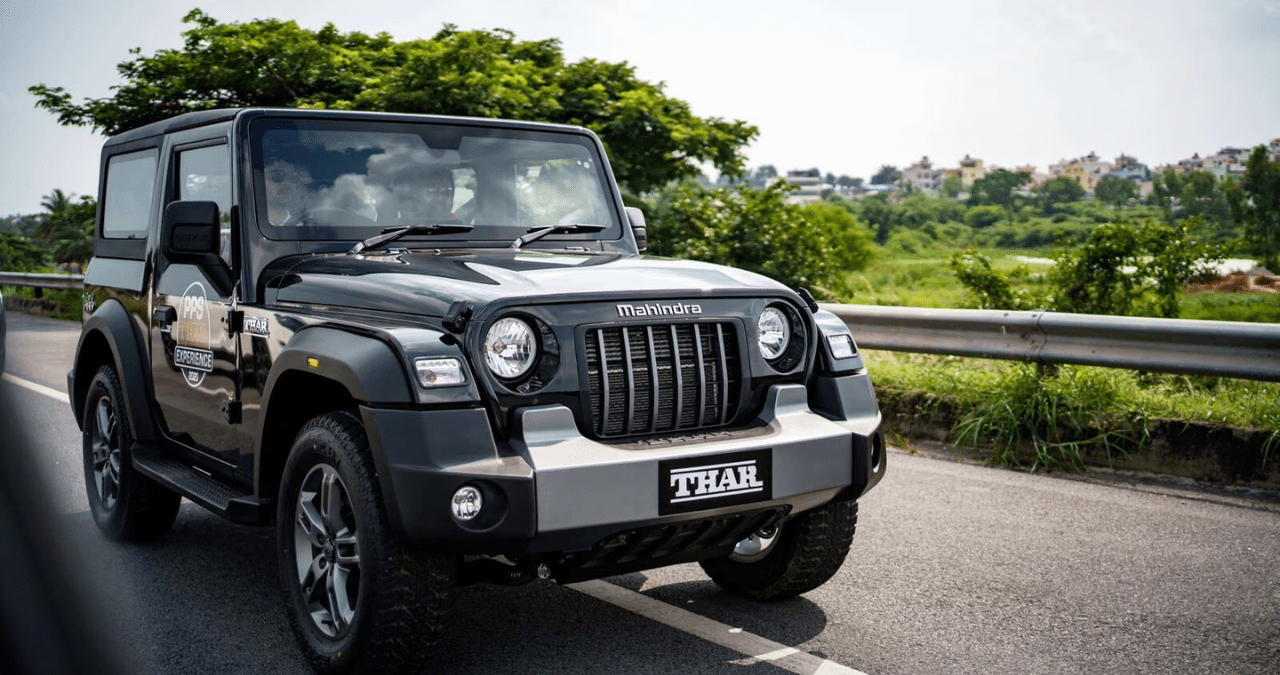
[(887, 175), (1255, 203), (67, 228), (849, 182), (1115, 190), (757, 230), (652, 138), (1059, 190), (997, 188), (952, 185), (990, 288), (1124, 269), (18, 254)]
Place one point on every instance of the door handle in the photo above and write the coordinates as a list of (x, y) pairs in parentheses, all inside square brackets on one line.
[(164, 315)]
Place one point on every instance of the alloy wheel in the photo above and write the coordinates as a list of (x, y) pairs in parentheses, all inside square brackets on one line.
[(327, 550)]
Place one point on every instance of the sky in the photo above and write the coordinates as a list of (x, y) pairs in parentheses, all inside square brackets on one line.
[(843, 86)]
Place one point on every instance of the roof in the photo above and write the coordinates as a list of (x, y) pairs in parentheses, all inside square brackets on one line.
[(205, 117)]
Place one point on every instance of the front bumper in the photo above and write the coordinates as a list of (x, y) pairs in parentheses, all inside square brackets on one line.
[(550, 490)]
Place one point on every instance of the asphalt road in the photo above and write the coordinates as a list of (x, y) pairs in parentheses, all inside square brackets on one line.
[(955, 569)]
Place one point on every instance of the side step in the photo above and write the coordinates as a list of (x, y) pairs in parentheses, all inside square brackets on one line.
[(222, 497)]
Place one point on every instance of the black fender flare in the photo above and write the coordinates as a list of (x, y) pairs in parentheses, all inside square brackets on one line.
[(128, 349), (369, 368)]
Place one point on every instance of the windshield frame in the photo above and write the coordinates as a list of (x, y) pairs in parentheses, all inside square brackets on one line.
[(432, 130)]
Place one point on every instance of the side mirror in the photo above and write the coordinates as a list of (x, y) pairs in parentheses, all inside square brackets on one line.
[(636, 216), (191, 234)]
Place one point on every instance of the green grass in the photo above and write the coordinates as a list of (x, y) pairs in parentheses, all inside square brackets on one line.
[(922, 278), (1056, 412)]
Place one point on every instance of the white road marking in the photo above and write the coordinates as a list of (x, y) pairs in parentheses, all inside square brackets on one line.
[(754, 646), (37, 388)]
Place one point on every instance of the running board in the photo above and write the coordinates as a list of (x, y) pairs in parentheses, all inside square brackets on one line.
[(222, 497)]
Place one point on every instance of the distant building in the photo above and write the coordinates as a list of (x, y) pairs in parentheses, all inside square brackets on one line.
[(810, 184), (1274, 148), (922, 177), (1130, 168), (1086, 170), (971, 169), (1037, 178)]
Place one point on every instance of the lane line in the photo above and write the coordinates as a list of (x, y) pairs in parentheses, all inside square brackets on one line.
[(37, 388), (747, 644)]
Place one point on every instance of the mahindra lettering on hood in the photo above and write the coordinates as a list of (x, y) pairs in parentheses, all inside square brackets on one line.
[(439, 341)]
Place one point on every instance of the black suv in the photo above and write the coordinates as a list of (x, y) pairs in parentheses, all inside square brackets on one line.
[(428, 351)]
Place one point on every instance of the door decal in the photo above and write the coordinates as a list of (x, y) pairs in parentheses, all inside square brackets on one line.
[(192, 355)]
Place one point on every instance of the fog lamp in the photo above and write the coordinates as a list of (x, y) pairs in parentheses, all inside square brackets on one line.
[(466, 503)]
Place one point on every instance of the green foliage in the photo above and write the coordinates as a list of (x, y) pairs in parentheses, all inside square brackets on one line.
[(984, 216), (998, 187), (1255, 203), (1058, 191), (1056, 413), (67, 228), (755, 229), (952, 186), (887, 175), (652, 138), (1192, 194), (1256, 307), (1124, 269), (1115, 190), (18, 254), (990, 288)]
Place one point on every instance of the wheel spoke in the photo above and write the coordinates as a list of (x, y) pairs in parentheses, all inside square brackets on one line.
[(331, 501), (336, 595), (310, 522), (347, 549)]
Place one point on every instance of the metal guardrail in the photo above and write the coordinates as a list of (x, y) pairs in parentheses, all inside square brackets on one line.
[(41, 281), (1224, 348)]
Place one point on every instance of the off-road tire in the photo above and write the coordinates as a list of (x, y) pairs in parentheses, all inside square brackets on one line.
[(810, 550), (402, 597), (126, 505)]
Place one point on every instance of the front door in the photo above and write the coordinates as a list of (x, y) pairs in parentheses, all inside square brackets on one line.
[(194, 358)]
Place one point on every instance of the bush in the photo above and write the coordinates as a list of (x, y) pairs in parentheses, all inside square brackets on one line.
[(757, 230), (984, 216)]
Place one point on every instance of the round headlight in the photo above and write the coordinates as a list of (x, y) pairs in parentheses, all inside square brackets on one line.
[(510, 348), (773, 332)]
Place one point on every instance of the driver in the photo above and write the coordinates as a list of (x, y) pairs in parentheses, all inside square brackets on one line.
[(286, 192)]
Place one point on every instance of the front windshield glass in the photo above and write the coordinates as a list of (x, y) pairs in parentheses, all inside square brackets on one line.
[(332, 179)]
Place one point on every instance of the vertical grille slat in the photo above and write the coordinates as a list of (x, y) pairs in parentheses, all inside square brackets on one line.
[(661, 378)]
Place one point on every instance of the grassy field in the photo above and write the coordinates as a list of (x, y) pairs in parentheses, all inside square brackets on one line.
[(922, 278)]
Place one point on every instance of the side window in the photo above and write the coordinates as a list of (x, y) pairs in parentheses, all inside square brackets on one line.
[(131, 183), (204, 175)]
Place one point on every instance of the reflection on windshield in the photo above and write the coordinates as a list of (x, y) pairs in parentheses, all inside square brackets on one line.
[(336, 177)]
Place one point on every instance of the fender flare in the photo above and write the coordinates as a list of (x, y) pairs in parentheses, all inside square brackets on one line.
[(369, 368), (127, 345)]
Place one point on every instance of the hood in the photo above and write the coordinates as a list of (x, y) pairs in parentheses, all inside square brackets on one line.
[(427, 282)]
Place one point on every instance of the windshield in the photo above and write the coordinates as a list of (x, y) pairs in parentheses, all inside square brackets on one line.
[(350, 180)]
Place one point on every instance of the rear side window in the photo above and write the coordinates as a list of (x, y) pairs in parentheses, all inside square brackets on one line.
[(131, 184)]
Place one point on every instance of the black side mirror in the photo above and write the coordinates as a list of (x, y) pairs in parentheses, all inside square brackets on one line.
[(191, 234), (636, 216)]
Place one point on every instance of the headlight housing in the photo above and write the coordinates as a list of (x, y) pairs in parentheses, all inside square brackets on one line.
[(510, 348), (773, 333)]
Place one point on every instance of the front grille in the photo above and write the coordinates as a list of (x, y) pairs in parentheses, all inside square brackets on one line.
[(661, 378)]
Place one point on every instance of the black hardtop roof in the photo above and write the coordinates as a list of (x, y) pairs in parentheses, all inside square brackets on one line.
[(205, 117)]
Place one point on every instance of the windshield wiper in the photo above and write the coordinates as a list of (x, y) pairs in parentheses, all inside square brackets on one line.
[(394, 233), (537, 233)]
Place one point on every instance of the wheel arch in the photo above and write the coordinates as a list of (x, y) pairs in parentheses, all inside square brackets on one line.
[(111, 337), (321, 370)]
